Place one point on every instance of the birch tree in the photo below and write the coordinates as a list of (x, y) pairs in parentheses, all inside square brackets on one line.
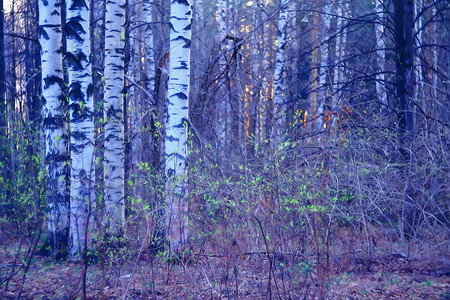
[(176, 122), (221, 110), (381, 53), (278, 80), (81, 108), (54, 122), (113, 115)]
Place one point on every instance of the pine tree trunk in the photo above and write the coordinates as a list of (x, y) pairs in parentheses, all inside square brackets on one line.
[(81, 107), (177, 123), (113, 115), (55, 122)]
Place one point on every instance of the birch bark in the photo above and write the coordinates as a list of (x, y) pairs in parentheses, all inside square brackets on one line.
[(55, 122), (278, 78), (113, 116), (381, 54), (177, 122), (81, 108)]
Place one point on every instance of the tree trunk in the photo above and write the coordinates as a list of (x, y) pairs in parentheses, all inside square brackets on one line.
[(3, 105), (341, 41), (314, 67), (54, 122), (381, 54), (403, 37), (324, 68), (114, 116), (403, 31), (81, 107), (279, 97), (221, 107), (177, 123)]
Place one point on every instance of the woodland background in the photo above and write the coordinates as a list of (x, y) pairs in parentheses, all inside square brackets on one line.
[(314, 165)]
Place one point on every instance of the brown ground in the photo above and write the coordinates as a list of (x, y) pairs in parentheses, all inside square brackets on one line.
[(244, 277)]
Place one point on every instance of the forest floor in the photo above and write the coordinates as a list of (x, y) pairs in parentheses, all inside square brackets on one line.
[(240, 277)]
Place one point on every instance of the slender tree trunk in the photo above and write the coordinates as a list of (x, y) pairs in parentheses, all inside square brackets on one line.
[(3, 105), (279, 96), (324, 68), (253, 103), (81, 107), (381, 54), (314, 67), (403, 37), (97, 47), (114, 116), (221, 108), (55, 122), (403, 30), (177, 123), (341, 41)]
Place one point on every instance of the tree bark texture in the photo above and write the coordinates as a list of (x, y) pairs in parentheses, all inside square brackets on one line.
[(81, 108), (55, 123), (113, 115), (177, 123)]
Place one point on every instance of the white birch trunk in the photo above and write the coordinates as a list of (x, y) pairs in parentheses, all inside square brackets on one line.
[(221, 109), (113, 116), (149, 48), (256, 79), (381, 53), (55, 122), (278, 80), (81, 106), (434, 57), (177, 122)]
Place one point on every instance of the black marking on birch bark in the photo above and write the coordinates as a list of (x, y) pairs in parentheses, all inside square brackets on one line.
[(45, 2), (56, 157), (53, 79), (171, 28), (171, 138), (78, 135), (185, 2), (74, 61), (179, 157), (53, 122), (42, 33), (182, 38), (75, 93), (55, 13), (170, 172), (74, 29), (180, 95), (188, 27), (78, 5), (112, 113)]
